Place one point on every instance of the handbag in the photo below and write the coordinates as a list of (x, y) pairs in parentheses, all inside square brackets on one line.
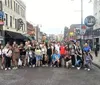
[(19, 62)]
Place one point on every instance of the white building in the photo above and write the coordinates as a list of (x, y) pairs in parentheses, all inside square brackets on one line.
[(15, 18), (96, 12)]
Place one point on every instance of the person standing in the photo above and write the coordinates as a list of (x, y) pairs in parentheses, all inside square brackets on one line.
[(7, 52), (44, 53), (62, 53), (73, 53), (96, 49), (22, 53), (49, 53), (16, 55), (38, 54)]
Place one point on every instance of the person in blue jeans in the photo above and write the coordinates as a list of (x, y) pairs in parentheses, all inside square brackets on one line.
[(56, 59)]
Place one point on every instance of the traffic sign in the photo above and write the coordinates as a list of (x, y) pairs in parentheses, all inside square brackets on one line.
[(90, 21)]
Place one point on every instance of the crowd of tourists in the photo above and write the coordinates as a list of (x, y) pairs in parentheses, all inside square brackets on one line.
[(51, 54)]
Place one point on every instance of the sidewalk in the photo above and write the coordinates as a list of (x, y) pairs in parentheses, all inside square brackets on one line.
[(96, 60)]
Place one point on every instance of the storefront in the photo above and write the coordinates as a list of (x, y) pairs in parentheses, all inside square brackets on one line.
[(12, 36)]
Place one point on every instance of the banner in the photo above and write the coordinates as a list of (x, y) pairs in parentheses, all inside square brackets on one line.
[(1, 18)]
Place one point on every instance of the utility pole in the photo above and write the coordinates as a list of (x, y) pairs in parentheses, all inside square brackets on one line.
[(81, 31), (81, 34)]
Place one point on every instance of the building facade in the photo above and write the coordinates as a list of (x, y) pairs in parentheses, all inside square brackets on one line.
[(31, 30), (14, 19), (65, 32), (96, 28), (96, 13)]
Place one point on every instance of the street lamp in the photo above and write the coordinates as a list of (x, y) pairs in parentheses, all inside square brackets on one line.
[(81, 21)]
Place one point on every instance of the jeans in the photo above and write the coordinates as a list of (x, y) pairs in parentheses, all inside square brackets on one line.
[(32, 61)]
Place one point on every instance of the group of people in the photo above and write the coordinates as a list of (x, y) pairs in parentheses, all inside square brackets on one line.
[(52, 54)]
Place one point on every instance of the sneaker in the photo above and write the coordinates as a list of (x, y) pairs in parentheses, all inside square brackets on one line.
[(30, 66), (47, 65), (88, 69), (51, 66), (73, 66), (1, 67), (78, 68), (24, 65), (14, 68), (33, 66), (85, 68), (9, 68), (5, 69)]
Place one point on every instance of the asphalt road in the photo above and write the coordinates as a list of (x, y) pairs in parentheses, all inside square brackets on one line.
[(50, 76)]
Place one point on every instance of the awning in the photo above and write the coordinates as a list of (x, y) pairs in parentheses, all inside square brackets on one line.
[(29, 37), (15, 35)]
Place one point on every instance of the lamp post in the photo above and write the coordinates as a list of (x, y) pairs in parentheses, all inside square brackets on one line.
[(81, 34), (81, 31)]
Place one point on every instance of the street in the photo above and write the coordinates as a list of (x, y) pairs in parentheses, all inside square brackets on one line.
[(50, 76)]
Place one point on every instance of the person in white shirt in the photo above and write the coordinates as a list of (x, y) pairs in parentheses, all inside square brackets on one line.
[(7, 52), (57, 47), (44, 53)]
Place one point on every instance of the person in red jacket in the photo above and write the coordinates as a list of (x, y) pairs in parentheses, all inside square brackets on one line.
[(62, 53)]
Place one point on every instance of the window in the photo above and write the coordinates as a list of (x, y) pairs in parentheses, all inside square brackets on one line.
[(16, 26), (11, 4), (24, 13), (10, 21), (6, 17), (0, 5), (6, 2), (15, 23), (18, 9), (14, 6)]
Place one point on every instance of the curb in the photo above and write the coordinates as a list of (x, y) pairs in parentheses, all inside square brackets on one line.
[(96, 65)]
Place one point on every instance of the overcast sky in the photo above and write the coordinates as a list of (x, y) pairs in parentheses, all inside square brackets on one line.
[(54, 15)]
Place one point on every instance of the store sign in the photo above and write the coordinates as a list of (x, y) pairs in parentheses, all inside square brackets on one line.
[(1, 18), (90, 21)]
